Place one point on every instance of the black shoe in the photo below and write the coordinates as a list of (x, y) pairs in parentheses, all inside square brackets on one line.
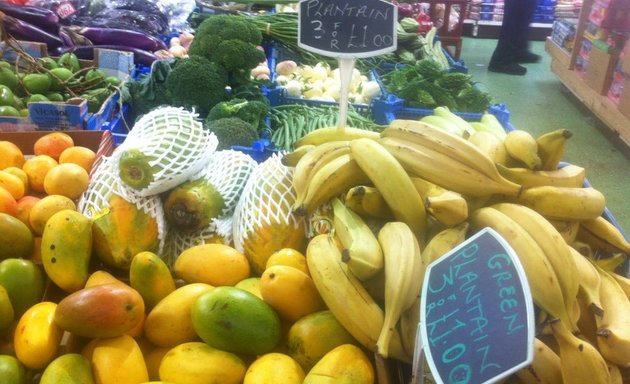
[(510, 69), (527, 57)]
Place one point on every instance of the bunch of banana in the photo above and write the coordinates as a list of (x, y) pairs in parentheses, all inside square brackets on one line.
[(613, 328)]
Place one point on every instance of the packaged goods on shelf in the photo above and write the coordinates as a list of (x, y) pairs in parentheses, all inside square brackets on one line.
[(563, 33)]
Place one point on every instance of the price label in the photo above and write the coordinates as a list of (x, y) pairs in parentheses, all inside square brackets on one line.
[(347, 28), (477, 317)]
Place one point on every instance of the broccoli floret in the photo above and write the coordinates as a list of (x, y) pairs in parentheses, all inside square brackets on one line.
[(473, 99), (197, 83), (253, 112), (232, 131)]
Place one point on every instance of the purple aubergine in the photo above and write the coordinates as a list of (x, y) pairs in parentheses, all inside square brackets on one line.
[(40, 17), (21, 30), (86, 52), (115, 36)]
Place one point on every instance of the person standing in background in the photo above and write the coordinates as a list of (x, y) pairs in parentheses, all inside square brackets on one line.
[(513, 44)]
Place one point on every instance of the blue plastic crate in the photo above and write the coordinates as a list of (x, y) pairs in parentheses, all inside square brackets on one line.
[(118, 125)]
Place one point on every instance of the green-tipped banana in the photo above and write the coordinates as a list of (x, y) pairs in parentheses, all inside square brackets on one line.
[(192, 205), (135, 169)]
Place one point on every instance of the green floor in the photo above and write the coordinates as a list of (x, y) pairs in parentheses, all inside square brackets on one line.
[(539, 102)]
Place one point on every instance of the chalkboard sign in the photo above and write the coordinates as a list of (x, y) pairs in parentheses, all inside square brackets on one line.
[(347, 28), (477, 317)]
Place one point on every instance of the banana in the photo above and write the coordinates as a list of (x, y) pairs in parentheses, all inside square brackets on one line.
[(346, 297), (463, 125), (590, 281), (408, 326), (553, 245), (443, 242), (563, 203), (551, 147), (312, 161), (291, 159), (445, 171), (403, 264), (361, 250), (493, 124), (490, 145), (521, 146), (443, 124), (616, 376), (449, 208), (623, 282), (583, 248), (393, 182), (546, 290), (613, 329), (368, 201), (453, 146), (567, 176), (332, 179), (568, 229), (326, 134), (608, 237), (580, 362), (544, 369), (610, 264)]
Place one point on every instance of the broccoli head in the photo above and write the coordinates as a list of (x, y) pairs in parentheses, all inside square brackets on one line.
[(232, 131), (197, 83), (253, 112)]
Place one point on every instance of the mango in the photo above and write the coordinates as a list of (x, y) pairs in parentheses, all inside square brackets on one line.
[(214, 264), (37, 83), (251, 284), (314, 335), (37, 337), (11, 370), (199, 363), (66, 249), (235, 320), (70, 368), (153, 358), (116, 360), (151, 277), (24, 282), (16, 240), (346, 363), (274, 368), (107, 310), (101, 277), (7, 315), (169, 323)]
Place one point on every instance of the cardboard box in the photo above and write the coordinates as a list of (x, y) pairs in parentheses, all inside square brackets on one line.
[(599, 71), (624, 99)]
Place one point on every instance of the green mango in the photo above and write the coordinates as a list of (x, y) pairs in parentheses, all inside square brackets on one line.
[(36, 97), (6, 96), (24, 281), (8, 78), (55, 96), (11, 370), (37, 83), (7, 110), (69, 60), (59, 75), (48, 62)]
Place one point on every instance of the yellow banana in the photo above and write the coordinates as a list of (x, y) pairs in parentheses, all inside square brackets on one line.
[(463, 125), (613, 328), (368, 201), (408, 326), (445, 171), (615, 373), (583, 248), (567, 176), (568, 229), (403, 264), (580, 362), (426, 188), (449, 208), (553, 245), (544, 369), (332, 179), (564, 203), (326, 134), (608, 237), (611, 263), (346, 297), (551, 147), (490, 145), (541, 276), (623, 282), (361, 250), (312, 161), (290, 159), (393, 182), (443, 242), (589, 283), (453, 146), (492, 124), (521, 146)]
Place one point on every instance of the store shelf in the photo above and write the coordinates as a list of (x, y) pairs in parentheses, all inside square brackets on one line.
[(562, 56), (600, 105), (488, 29)]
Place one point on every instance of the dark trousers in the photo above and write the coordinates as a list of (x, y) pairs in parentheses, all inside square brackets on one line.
[(514, 35)]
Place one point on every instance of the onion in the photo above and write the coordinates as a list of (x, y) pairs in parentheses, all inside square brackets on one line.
[(286, 67), (261, 70)]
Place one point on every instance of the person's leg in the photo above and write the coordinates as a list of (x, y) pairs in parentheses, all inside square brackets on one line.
[(503, 57), (527, 8)]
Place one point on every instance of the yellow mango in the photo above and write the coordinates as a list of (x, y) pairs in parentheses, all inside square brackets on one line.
[(151, 277), (346, 364), (101, 277), (71, 368), (291, 292), (274, 368), (153, 359), (66, 249), (116, 360), (251, 285), (169, 323), (198, 363), (7, 315), (214, 264), (37, 337)]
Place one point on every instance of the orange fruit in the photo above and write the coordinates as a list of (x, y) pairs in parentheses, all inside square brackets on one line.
[(12, 183), (10, 155), (36, 169), (45, 208), (289, 257), (7, 202), (82, 156), (52, 144), (68, 179), (24, 206), (19, 172)]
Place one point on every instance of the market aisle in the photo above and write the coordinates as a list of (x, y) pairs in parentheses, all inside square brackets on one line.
[(538, 102)]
